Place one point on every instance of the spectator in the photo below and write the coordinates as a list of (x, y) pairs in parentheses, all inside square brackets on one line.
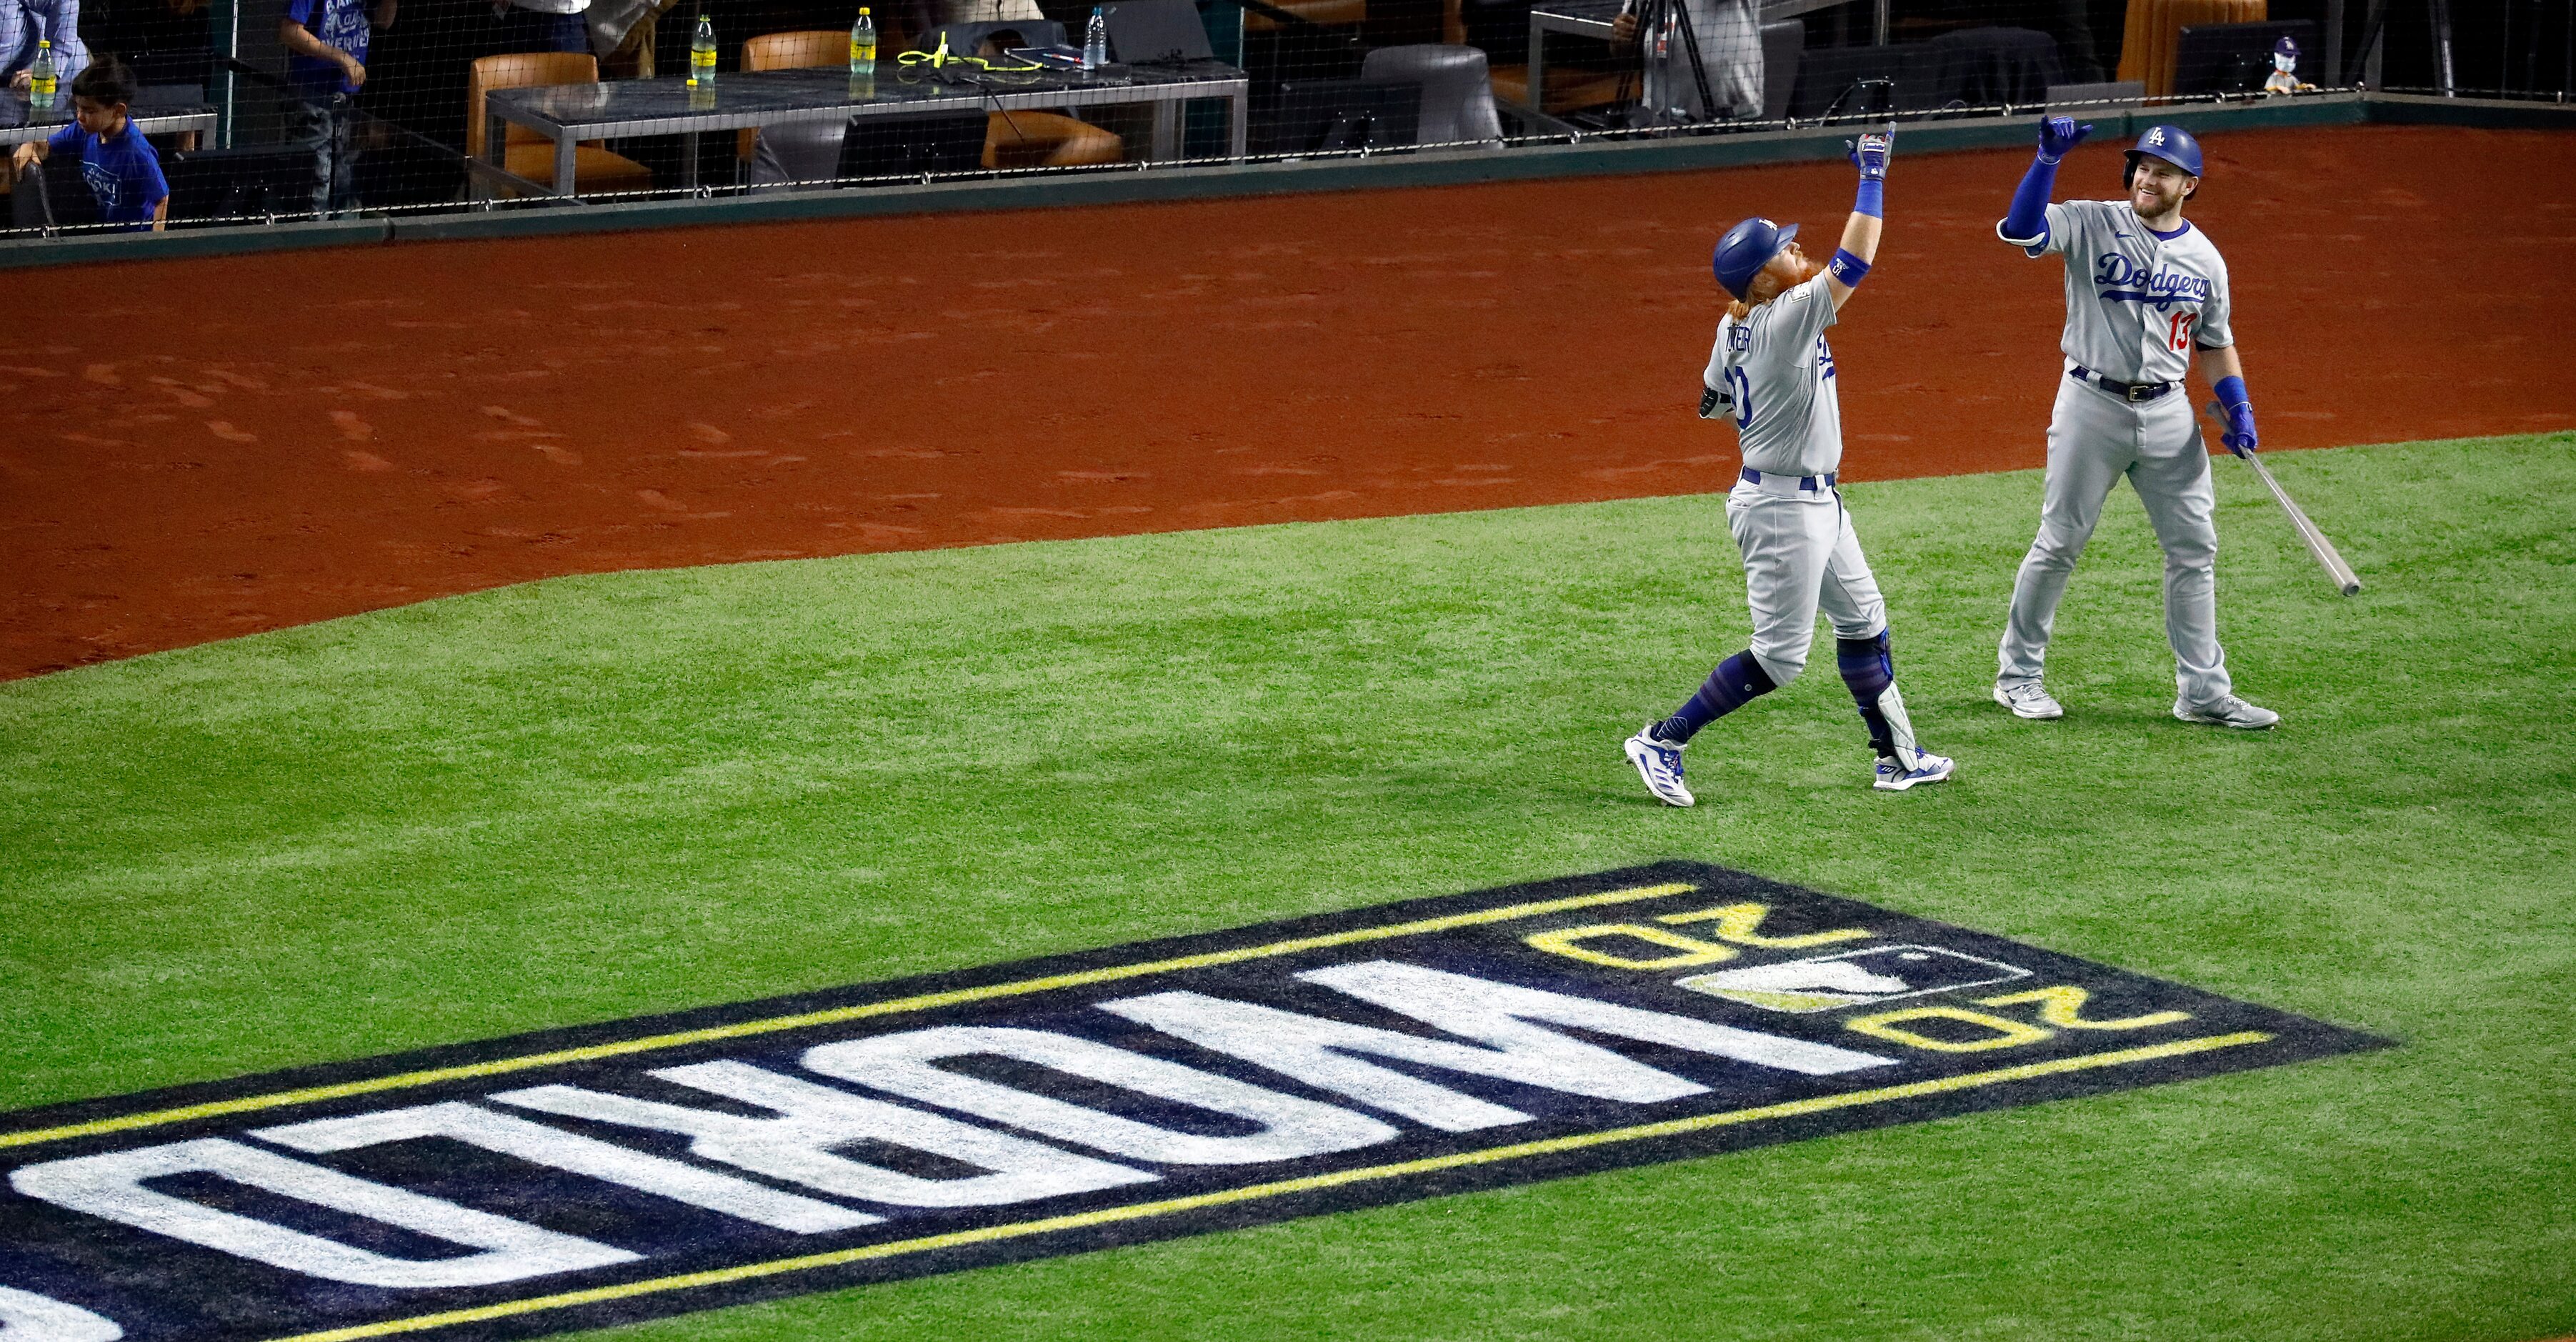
[(1729, 37), (540, 25), (24, 23), (116, 161), (326, 65)]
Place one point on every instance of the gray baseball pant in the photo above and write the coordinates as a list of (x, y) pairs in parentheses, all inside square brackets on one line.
[(2094, 438)]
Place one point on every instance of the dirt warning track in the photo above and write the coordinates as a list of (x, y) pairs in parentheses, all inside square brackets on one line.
[(193, 450)]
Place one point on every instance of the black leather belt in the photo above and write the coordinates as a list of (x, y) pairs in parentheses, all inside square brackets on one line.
[(1807, 483), (2135, 393)]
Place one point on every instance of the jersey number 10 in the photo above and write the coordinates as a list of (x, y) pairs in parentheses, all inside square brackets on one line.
[(1741, 387), (2179, 336)]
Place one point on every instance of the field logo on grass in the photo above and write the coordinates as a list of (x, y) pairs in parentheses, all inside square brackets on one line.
[(1853, 978), (616, 1172)]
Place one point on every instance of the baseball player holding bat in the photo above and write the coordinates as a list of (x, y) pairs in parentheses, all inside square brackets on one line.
[(1773, 374), (2144, 292)]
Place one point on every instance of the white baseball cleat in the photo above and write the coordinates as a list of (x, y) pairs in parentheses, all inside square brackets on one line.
[(1896, 776), (1659, 762), (2228, 711), (2028, 699)]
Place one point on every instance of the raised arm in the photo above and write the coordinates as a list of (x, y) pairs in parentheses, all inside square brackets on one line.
[(2026, 223), (1860, 233)]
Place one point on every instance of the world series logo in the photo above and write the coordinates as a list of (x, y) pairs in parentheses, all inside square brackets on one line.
[(577, 1178)]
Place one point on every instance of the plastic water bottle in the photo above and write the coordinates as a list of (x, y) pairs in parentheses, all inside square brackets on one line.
[(1095, 41), (40, 77), (702, 56), (863, 46)]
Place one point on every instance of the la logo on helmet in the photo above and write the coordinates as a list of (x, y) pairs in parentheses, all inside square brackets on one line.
[(2156, 136)]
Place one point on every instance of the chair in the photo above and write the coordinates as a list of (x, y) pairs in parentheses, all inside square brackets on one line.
[(243, 181), (806, 151), (1782, 45), (1327, 116), (2152, 36), (526, 153), (1457, 93), (1029, 139), (51, 195)]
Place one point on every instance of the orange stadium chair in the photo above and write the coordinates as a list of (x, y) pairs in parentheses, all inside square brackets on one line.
[(1047, 140), (527, 154)]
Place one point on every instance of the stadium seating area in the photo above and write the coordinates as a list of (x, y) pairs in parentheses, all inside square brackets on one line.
[(1316, 77)]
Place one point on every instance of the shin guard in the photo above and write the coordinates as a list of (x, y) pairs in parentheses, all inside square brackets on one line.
[(1869, 668)]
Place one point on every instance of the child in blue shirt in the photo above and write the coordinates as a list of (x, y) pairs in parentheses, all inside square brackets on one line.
[(116, 161), (326, 65)]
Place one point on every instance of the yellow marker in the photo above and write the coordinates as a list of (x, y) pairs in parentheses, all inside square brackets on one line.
[(2064, 1007), (2007, 1033), (1736, 923), (1567, 942)]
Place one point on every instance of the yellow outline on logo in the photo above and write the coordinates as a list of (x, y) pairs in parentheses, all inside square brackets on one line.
[(1282, 1188)]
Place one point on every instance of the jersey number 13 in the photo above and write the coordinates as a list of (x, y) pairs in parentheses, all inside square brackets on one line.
[(2178, 335)]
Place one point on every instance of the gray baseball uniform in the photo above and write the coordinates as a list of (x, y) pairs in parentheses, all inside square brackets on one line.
[(1774, 374), (2137, 305)]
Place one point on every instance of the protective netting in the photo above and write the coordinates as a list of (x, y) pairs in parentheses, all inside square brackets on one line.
[(286, 110)]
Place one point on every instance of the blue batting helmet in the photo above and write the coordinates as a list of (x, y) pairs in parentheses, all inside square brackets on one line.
[(2173, 144), (1745, 250)]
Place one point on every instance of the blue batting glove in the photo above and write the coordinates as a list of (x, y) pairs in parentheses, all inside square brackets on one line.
[(2239, 437), (2059, 134), (1870, 155)]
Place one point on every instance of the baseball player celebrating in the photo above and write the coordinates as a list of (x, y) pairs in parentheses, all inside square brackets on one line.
[(2144, 291), (1772, 372)]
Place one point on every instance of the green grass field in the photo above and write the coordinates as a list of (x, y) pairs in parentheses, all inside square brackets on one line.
[(594, 797)]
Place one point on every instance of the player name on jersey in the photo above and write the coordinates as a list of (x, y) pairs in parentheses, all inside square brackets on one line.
[(582, 1177)]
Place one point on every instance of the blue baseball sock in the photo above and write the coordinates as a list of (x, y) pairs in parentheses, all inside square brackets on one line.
[(1869, 668), (1737, 681)]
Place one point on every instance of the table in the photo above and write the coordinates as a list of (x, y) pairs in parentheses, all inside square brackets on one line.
[(1592, 18), (568, 114), (170, 109)]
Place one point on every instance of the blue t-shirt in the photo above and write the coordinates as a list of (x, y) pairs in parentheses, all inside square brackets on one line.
[(341, 24), (123, 172)]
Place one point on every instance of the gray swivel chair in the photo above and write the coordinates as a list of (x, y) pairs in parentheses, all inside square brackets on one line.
[(1782, 44), (1457, 92), (802, 151)]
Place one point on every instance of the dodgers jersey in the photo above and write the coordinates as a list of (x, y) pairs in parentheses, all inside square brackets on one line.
[(1776, 373), (2136, 303)]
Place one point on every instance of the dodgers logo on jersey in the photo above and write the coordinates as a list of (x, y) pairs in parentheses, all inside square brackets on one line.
[(2121, 279)]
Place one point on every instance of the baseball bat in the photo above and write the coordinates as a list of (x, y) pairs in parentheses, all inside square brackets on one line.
[(2327, 557)]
